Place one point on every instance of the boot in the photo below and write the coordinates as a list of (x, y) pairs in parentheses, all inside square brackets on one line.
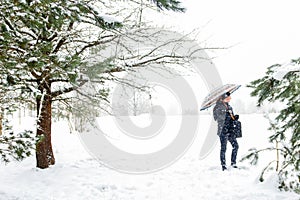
[(234, 166)]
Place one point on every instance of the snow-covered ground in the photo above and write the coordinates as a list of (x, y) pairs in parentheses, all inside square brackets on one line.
[(77, 175)]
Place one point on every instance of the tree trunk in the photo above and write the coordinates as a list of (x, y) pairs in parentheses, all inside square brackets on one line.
[(277, 157), (44, 152)]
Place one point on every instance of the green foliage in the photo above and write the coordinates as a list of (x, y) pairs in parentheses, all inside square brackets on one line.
[(253, 155), (286, 127), (173, 5), (16, 146)]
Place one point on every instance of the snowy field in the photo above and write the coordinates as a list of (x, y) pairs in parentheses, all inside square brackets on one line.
[(77, 175)]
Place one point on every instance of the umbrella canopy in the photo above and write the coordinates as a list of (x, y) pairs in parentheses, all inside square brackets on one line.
[(216, 94)]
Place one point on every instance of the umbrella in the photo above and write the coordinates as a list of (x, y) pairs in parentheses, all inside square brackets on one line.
[(215, 94)]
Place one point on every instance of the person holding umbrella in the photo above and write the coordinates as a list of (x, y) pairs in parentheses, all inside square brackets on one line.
[(223, 114)]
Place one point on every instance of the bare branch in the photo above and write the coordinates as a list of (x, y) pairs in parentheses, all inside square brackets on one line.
[(59, 45), (59, 80), (95, 43)]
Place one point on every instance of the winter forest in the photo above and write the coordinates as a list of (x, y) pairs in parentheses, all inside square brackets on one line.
[(101, 99)]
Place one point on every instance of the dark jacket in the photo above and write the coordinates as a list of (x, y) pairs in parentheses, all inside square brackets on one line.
[(221, 114)]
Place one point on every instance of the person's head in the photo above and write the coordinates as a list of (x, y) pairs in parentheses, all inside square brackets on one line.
[(226, 97)]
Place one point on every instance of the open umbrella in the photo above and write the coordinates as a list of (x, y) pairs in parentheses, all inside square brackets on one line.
[(216, 93)]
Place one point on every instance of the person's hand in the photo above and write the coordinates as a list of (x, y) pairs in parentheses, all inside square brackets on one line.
[(236, 117)]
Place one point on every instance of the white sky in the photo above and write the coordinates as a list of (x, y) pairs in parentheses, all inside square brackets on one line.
[(263, 32)]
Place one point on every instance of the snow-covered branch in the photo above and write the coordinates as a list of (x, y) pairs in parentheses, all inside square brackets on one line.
[(282, 70), (69, 89)]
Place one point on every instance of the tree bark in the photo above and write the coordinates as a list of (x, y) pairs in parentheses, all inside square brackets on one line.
[(44, 152)]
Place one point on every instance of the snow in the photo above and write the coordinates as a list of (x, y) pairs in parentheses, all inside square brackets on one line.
[(21, 14), (281, 71), (77, 175), (109, 19), (34, 2), (32, 59)]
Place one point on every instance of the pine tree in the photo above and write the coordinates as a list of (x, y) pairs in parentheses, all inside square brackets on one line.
[(43, 55), (14, 146), (286, 127)]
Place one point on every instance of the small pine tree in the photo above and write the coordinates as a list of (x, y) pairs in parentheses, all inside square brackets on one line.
[(286, 127), (16, 146)]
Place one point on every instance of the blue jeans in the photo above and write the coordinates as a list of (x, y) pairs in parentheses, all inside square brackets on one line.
[(235, 146)]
